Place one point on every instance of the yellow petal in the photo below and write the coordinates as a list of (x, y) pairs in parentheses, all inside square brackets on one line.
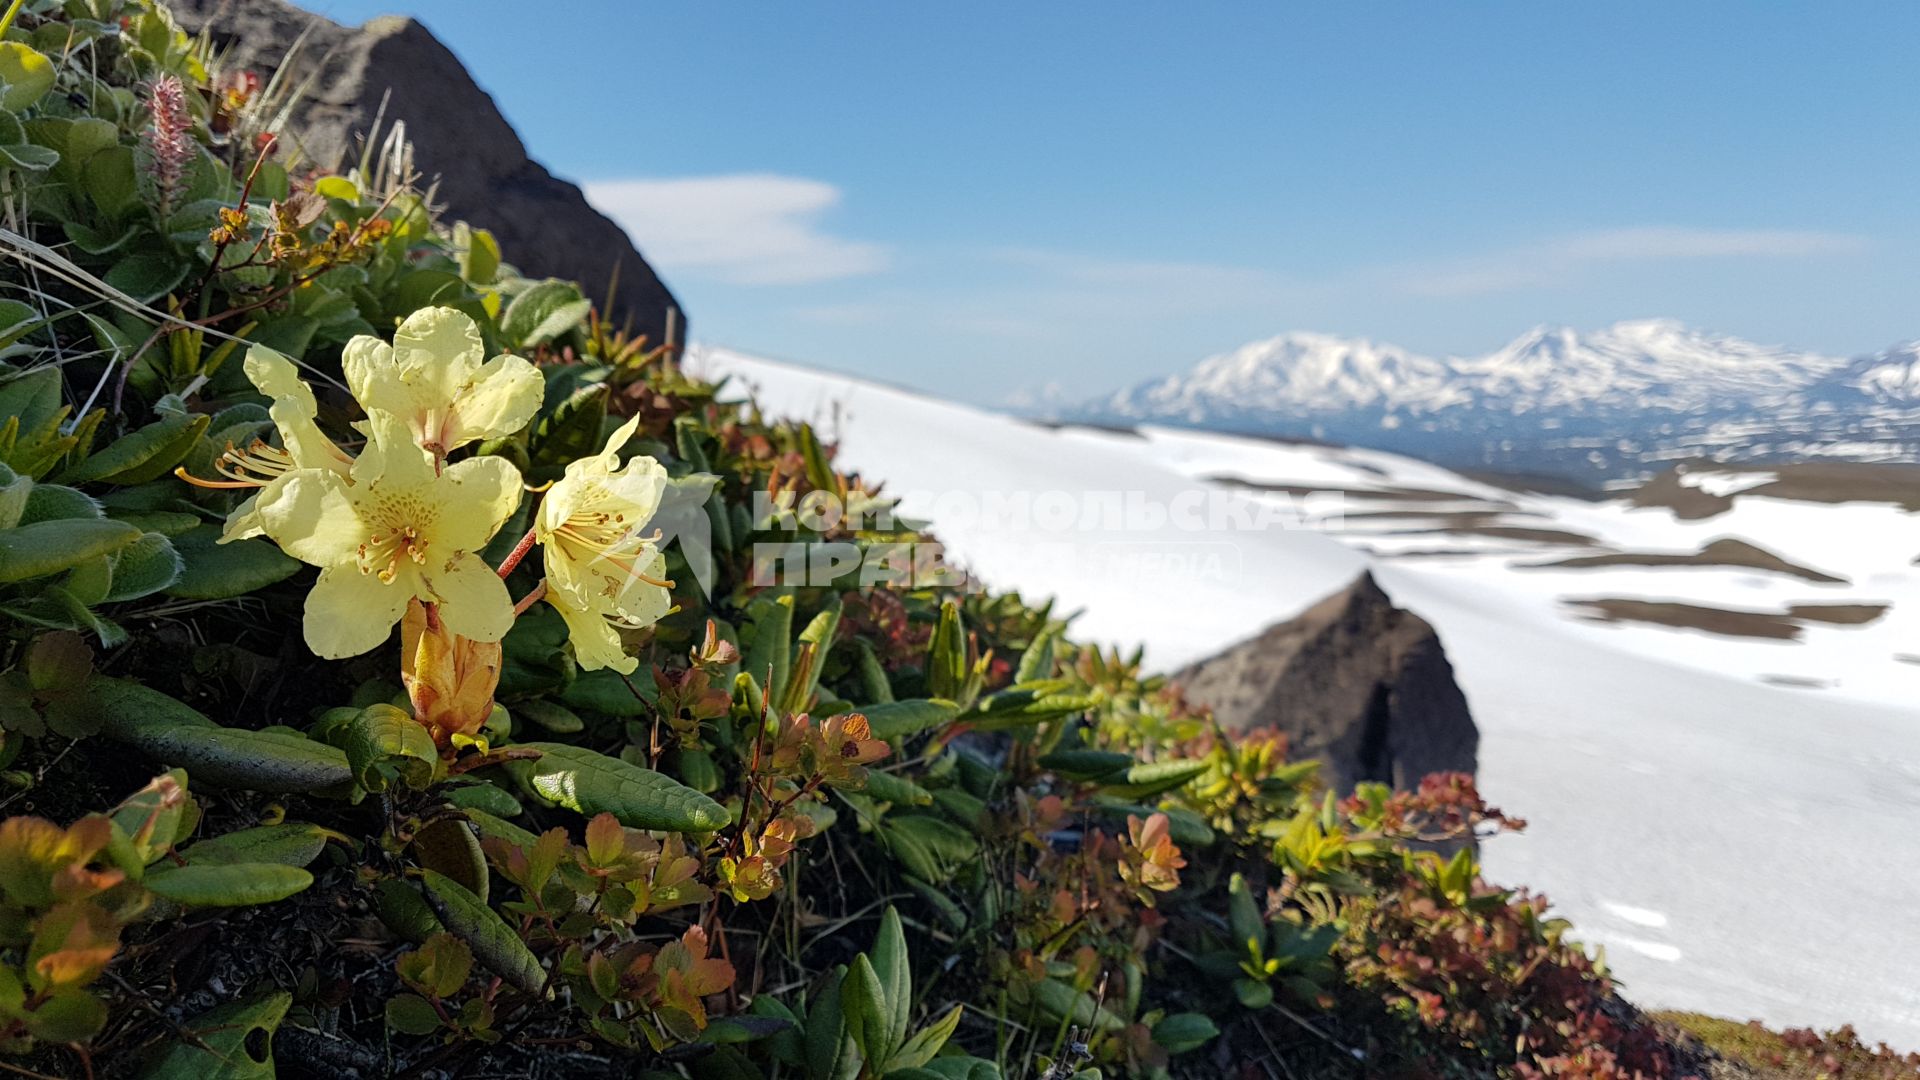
[(500, 400), (305, 442), (479, 494), (349, 612), (437, 349), (585, 482), (473, 600), (635, 490), (610, 453), (367, 363), (310, 514), (596, 644), (275, 376), (391, 458), (642, 603), (293, 410), (244, 522)]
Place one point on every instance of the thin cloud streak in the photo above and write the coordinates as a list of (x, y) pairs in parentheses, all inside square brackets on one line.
[(1555, 262), (742, 229)]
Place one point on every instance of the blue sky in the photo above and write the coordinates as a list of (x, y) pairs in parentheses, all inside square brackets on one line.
[(978, 198)]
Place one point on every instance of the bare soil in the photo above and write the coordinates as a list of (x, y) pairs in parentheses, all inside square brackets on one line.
[(1777, 626), (1725, 551)]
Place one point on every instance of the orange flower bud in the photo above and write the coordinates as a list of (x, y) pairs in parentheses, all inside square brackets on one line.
[(450, 679)]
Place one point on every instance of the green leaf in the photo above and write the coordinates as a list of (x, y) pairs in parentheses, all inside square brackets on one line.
[(485, 797), (69, 1015), (109, 179), (593, 783), (28, 157), (227, 884), (272, 761), (91, 580), (1060, 1001), (865, 1001), (290, 843), (555, 718), (900, 719), (146, 276), (572, 429), (817, 638), (403, 910), (15, 492), (962, 1067), (1243, 915), (543, 312), (1037, 661), (1151, 778), (831, 1053), (44, 548), (143, 568), (34, 397), (1253, 995), (449, 846), (493, 942), (605, 692), (479, 253), (411, 1014), (925, 1043), (234, 1042), (439, 968), (928, 847), (27, 73), (896, 789), (109, 697), (210, 570), (1182, 1032), (494, 827), (143, 455), (873, 677), (772, 646), (891, 965), (383, 739), (1010, 709), (947, 655), (1085, 764)]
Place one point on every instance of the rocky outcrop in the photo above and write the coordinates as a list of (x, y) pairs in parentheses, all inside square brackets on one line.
[(1354, 681), (544, 224)]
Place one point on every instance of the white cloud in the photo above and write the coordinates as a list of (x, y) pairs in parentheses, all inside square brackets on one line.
[(1657, 242), (1554, 261), (744, 229)]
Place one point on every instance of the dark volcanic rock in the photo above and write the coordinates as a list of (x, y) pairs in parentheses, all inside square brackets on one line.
[(544, 224), (1354, 681)]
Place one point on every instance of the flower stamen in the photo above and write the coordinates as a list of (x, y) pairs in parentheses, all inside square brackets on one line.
[(255, 467)]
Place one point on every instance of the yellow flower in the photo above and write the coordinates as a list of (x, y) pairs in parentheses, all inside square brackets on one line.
[(603, 571), (302, 444), (397, 528), (433, 379)]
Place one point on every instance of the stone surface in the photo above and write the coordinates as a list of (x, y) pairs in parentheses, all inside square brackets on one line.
[(1354, 681), (544, 224)]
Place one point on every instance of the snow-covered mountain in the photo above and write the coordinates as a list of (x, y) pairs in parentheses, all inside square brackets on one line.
[(1672, 688), (1890, 376), (1620, 402), (1311, 372), (1629, 366)]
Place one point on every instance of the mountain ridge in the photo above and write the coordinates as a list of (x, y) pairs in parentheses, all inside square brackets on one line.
[(1615, 403)]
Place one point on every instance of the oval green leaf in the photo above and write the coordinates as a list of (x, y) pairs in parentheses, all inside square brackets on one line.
[(592, 783)]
